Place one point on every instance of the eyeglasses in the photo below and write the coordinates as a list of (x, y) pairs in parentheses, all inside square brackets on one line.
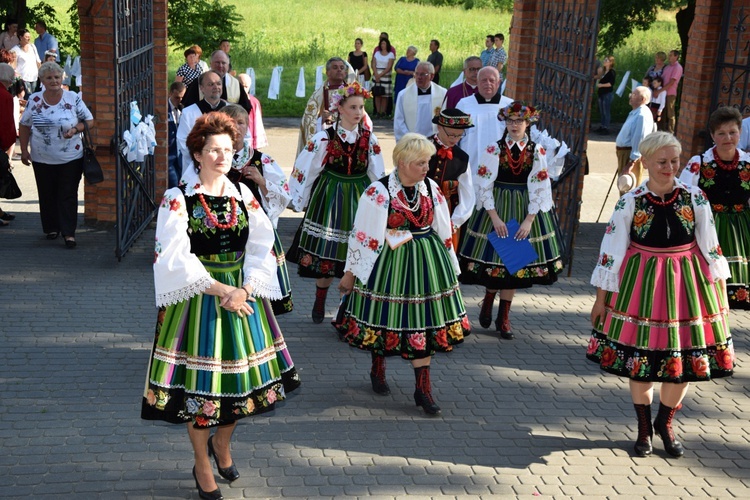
[(455, 136), (422, 74), (515, 122), (219, 151), (473, 70)]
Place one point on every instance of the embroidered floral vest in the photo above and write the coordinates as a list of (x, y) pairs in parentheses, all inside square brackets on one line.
[(663, 223)]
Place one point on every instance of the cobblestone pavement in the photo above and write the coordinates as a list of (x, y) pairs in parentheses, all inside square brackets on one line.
[(523, 418)]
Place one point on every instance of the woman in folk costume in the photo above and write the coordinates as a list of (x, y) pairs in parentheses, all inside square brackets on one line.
[(267, 181), (660, 313), (511, 183), (449, 167), (218, 353), (328, 178), (723, 173), (402, 293)]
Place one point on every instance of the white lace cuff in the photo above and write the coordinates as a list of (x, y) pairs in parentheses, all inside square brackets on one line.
[(264, 290), (719, 269), (606, 280), (190, 291)]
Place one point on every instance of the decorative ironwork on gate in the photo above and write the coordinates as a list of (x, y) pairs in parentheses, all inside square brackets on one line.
[(134, 81), (733, 61), (562, 92)]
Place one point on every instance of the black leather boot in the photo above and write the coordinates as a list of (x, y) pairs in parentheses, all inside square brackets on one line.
[(643, 447), (663, 429), (502, 323), (377, 375), (319, 308), (423, 394), (485, 314)]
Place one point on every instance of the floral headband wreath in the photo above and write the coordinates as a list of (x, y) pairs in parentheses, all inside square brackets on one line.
[(521, 109), (353, 89)]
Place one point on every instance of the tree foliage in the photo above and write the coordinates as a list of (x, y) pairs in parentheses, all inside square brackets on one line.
[(618, 19), (202, 22), (68, 37)]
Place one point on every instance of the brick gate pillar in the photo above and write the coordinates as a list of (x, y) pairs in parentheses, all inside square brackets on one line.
[(98, 70), (524, 38), (698, 79)]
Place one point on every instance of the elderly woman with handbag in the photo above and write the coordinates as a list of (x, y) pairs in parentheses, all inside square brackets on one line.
[(52, 124)]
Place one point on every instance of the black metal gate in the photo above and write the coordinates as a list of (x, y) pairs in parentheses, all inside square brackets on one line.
[(562, 92), (134, 82), (732, 61)]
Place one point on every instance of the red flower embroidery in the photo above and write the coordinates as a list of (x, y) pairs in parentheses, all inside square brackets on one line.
[(709, 173), (380, 199), (392, 340), (376, 149), (745, 175), (310, 146), (725, 359), (201, 421), (482, 171), (542, 151), (694, 167), (448, 243), (608, 357), (700, 367), (373, 244), (593, 345), (174, 205), (325, 266), (306, 260), (636, 368), (441, 337), (465, 323), (741, 293), (361, 236), (542, 175), (396, 219), (370, 191), (674, 367), (417, 341)]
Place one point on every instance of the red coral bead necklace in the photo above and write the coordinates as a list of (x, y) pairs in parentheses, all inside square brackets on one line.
[(231, 218)]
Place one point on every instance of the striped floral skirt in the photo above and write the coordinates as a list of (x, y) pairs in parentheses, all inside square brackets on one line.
[(411, 305), (321, 241), (668, 323), (481, 265), (733, 230), (285, 304), (212, 367)]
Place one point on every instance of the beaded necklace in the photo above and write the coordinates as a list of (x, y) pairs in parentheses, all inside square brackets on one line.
[(231, 218), (657, 201), (516, 166), (727, 166)]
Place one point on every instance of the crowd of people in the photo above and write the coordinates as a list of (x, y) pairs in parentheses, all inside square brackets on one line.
[(468, 201)]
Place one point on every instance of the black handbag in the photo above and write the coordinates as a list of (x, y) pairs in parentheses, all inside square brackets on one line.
[(378, 90), (8, 186), (92, 171)]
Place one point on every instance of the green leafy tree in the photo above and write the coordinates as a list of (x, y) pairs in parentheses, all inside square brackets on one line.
[(202, 22), (618, 20), (67, 37)]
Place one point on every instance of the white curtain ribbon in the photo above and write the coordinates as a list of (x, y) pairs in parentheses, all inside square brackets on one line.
[(318, 77), (275, 86), (301, 84), (251, 73)]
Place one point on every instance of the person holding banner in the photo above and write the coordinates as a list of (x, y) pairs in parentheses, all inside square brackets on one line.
[(512, 186)]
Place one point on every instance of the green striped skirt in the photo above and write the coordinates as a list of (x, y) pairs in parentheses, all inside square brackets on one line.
[(321, 243), (209, 366), (411, 305), (481, 265), (733, 230), (668, 323)]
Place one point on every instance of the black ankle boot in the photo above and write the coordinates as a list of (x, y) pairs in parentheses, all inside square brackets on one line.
[(663, 429), (502, 323), (423, 394), (643, 446), (319, 308), (377, 375), (485, 314)]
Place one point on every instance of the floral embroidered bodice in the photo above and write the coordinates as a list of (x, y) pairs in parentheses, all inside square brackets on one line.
[(205, 238), (726, 190), (516, 167), (663, 223), (347, 158)]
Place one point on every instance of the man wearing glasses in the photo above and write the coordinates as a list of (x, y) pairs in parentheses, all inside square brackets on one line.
[(418, 103), (468, 87), (449, 167)]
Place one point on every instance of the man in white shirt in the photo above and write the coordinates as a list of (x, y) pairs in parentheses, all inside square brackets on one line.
[(232, 91), (417, 104), (483, 108), (637, 126), (211, 88)]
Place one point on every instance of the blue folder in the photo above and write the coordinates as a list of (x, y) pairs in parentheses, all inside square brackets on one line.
[(514, 254)]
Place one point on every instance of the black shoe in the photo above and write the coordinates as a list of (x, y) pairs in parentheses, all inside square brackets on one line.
[(53, 235), (507, 335), (427, 403), (379, 386), (207, 495), (70, 242), (319, 307), (6, 216), (663, 429), (643, 446), (485, 311), (230, 473)]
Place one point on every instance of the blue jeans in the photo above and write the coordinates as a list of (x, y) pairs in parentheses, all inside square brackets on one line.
[(605, 105)]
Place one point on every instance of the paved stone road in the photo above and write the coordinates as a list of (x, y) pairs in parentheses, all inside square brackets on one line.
[(523, 418)]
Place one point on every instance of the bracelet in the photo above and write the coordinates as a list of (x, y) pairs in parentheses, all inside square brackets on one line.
[(248, 293)]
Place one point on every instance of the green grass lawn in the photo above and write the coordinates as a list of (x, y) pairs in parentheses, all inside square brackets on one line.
[(282, 33)]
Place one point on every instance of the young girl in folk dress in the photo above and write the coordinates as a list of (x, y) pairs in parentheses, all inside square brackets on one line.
[(329, 176), (511, 183)]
